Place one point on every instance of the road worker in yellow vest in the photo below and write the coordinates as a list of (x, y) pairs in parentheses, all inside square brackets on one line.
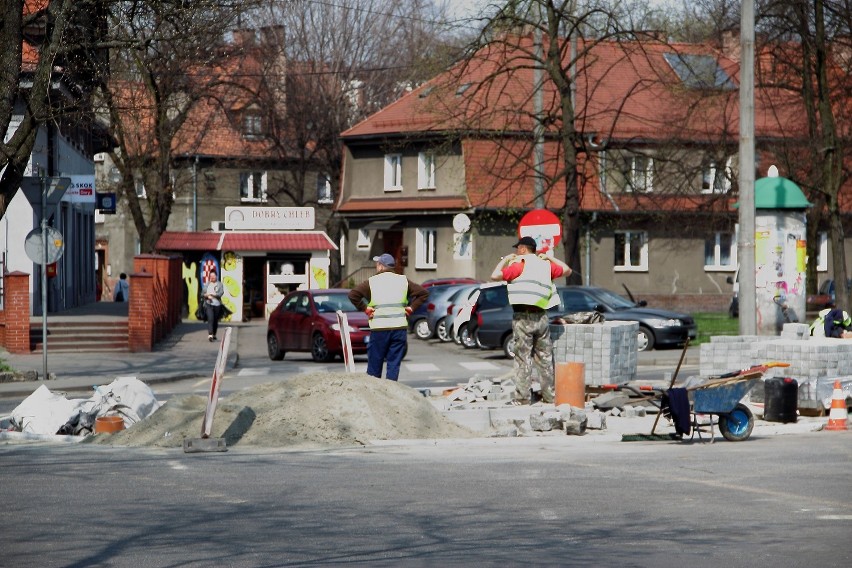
[(832, 322), (388, 299), (531, 290)]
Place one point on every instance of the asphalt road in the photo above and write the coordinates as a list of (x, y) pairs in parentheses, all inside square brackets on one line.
[(781, 501)]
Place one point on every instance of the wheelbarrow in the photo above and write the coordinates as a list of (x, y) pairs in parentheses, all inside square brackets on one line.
[(718, 396)]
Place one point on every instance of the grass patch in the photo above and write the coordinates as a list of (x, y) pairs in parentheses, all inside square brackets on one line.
[(710, 324)]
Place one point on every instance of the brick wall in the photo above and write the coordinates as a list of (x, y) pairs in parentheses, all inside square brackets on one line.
[(688, 303), (16, 312)]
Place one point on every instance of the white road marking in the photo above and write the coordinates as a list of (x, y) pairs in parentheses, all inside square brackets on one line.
[(421, 367), (480, 366), (254, 372), (835, 517)]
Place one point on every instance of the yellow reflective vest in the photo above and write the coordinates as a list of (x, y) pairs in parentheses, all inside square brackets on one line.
[(389, 296), (533, 287)]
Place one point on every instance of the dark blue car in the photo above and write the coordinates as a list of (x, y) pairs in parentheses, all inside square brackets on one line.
[(656, 327)]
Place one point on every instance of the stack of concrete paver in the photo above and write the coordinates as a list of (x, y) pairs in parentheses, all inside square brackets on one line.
[(815, 363), (608, 350)]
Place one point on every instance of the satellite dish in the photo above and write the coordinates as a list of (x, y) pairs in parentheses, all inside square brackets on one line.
[(461, 223), (35, 251)]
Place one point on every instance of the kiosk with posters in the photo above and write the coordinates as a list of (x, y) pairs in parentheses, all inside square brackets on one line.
[(263, 253)]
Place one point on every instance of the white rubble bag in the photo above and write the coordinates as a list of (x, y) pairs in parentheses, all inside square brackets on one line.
[(45, 412)]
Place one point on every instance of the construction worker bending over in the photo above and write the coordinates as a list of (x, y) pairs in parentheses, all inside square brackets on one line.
[(530, 287), (832, 323)]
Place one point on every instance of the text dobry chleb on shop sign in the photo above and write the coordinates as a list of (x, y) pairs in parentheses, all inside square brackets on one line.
[(279, 218)]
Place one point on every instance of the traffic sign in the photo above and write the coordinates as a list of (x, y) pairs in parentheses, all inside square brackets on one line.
[(543, 226), (35, 251), (56, 186)]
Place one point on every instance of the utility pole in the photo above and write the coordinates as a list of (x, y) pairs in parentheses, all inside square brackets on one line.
[(746, 244), (538, 127)]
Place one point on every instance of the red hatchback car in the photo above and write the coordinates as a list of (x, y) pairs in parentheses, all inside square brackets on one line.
[(306, 321)]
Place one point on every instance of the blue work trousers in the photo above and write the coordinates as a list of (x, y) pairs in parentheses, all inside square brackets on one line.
[(386, 344)]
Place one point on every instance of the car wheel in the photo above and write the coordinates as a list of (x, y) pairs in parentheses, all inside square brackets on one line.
[(645, 338), (468, 339), (421, 329), (441, 330), (272, 348), (319, 349), (509, 346)]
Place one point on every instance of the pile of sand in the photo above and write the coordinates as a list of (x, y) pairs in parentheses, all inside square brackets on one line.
[(311, 410)]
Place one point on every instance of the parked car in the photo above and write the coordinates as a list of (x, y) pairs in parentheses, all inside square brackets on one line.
[(440, 307), (825, 296), (446, 281), (656, 327), (417, 322), (306, 321)]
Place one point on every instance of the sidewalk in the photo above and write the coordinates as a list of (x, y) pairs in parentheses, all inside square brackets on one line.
[(185, 353)]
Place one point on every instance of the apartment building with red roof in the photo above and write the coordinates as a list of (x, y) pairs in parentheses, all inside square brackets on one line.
[(657, 128)]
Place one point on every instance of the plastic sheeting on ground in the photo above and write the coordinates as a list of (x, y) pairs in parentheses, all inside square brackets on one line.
[(46, 412)]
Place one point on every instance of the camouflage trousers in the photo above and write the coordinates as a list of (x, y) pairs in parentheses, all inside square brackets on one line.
[(533, 350)]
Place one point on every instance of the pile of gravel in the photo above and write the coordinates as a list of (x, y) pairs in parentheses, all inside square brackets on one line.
[(310, 410)]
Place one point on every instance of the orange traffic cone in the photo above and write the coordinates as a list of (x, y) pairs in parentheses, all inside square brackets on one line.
[(838, 416)]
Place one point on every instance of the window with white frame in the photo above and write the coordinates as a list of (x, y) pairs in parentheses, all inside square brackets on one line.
[(716, 178), (363, 242), (252, 123), (641, 174), (426, 170), (324, 188), (427, 248), (822, 251), (253, 186), (393, 172), (720, 251), (631, 251)]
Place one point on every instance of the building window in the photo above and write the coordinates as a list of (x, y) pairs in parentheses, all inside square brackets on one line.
[(641, 174), (426, 170), (140, 189), (822, 251), (324, 188), (716, 179), (252, 124), (427, 249), (393, 172), (631, 251), (363, 242), (720, 252), (253, 186)]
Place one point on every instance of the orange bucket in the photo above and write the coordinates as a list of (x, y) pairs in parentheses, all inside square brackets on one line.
[(108, 424), (570, 384)]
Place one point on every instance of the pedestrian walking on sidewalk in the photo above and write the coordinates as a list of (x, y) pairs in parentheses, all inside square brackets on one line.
[(213, 292), (388, 299), (122, 289), (530, 287)]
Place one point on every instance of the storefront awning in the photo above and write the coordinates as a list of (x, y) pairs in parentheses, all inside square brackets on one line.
[(380, 225), (174, 241)]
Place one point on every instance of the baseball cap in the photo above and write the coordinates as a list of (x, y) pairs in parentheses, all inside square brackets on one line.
[(385, 259), (527, 241)]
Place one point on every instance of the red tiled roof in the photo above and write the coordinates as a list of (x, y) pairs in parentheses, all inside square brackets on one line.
[(255, 241), (625, 91), (382, 204)]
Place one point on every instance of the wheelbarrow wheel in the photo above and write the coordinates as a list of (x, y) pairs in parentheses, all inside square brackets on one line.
[(737, 425)]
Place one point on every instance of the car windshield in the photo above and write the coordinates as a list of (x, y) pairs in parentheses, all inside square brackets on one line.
[(613, 300), (330, 303)]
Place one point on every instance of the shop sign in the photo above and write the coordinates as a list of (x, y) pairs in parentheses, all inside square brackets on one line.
[(276, 218)]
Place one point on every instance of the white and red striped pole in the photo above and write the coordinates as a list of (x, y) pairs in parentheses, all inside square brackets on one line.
[(346, 341)]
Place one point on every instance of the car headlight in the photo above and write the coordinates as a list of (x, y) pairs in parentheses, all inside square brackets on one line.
[(674, 322)]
